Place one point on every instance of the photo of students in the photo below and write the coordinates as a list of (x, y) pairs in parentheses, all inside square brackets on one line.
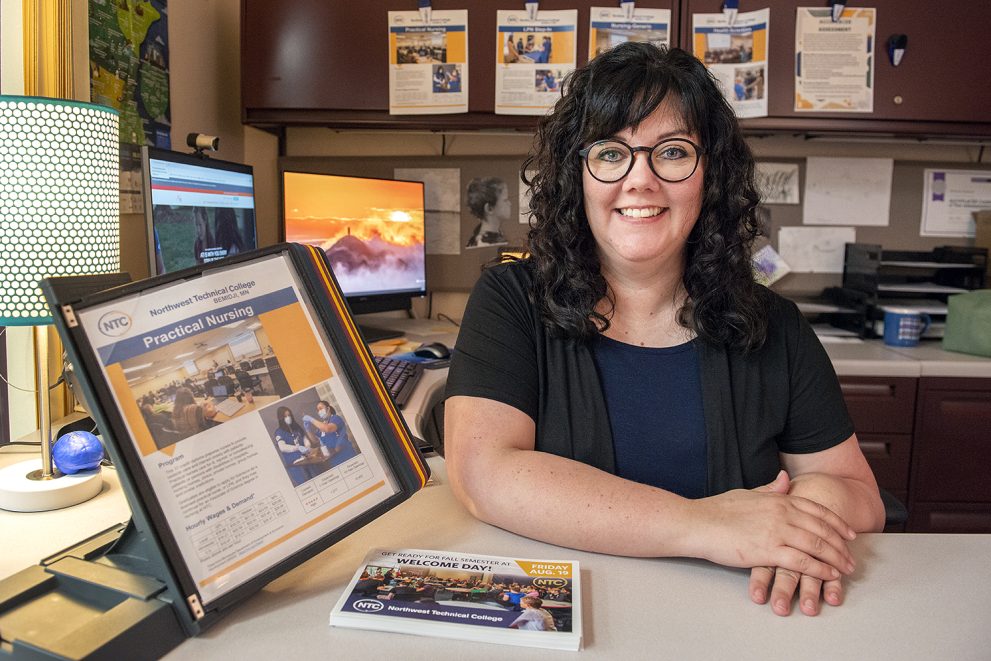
[(204, 237), (488, 200), (182, 389), (420, 47), (748, 83), (290, 441), (330, 430), (546, 80), (447, 78), (515, 599)]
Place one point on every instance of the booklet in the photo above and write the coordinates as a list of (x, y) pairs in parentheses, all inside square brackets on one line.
[(513, 601), (244, 412)]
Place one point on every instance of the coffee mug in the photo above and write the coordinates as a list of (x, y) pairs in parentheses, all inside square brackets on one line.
[(904, 327)]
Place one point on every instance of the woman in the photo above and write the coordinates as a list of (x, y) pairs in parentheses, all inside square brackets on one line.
[(488, 200), (670, 405), (228, 236), (290, 441), (188, 417)]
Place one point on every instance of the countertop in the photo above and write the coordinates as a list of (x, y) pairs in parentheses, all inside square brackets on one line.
[(874, 358)]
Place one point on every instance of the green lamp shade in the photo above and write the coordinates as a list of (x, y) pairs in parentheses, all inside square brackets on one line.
[(59, 198)]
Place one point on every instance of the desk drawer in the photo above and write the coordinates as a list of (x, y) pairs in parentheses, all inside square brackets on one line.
[(888, 456), (880, 405)]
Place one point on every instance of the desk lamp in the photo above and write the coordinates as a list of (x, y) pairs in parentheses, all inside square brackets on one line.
[(59, 216)]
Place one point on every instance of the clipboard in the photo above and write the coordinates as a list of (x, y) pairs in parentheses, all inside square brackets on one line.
[(219, 508)]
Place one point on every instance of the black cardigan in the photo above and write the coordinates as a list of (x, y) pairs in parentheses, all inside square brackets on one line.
[(783, 397)]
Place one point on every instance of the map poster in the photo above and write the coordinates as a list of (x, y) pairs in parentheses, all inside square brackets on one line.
[(129, 71)]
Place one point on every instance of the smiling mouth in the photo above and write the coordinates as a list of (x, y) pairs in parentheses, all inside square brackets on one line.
[(641, 212)]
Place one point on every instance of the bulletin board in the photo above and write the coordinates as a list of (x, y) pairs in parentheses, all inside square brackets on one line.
[(901, 233), (448, 227)]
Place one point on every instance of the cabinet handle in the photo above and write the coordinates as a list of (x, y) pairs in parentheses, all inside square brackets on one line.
[(874, 448), (869, 389)]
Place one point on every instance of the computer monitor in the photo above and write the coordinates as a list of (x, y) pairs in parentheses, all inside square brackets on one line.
[(372, 230), (197, 209)]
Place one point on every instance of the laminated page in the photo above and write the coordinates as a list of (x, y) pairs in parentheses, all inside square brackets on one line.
[(237, 405), (532, 58), (428, 63)]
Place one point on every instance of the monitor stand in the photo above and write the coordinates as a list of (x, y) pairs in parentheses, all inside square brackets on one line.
[(372, 334)]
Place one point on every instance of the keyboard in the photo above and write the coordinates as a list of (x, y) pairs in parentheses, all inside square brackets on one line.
[(400, 377), (228, 406)]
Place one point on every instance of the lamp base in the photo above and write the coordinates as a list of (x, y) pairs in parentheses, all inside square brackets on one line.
[(20, 493)]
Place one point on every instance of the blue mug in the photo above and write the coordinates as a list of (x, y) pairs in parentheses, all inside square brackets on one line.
[(904, 327)]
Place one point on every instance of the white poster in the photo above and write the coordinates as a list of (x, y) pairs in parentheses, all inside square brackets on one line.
[(847, 191), (949, 199), (834, 62), (610, 26), (442, 210), (428, 63), (778, 183), (532, 57), (815, 249), (737, 56)]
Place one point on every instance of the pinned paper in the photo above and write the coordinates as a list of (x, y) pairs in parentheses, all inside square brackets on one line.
[(769, 267), (847, 191), (815, 249)]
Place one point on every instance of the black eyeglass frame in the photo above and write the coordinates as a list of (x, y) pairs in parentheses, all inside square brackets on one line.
[(633, 157)]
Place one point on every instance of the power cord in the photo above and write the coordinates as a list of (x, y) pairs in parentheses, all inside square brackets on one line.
[(443, 317)]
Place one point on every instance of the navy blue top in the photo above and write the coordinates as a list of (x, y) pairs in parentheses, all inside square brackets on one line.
[(654, 399)]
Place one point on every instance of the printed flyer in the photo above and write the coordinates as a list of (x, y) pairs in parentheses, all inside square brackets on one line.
[(834, 61), (532, 57), (253, 442), (610, 26), (737, 56), (533, 603), (428, 63)]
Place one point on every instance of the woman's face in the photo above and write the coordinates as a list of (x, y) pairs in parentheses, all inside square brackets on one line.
[(503, 207), (642, 220)]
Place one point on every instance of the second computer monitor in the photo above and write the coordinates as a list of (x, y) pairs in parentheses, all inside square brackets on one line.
[(197, 209), (372, 230)]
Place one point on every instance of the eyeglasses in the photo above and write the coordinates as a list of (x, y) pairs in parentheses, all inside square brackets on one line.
[(672, 160)]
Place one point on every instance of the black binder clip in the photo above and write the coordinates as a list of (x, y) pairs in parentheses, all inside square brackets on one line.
[(837, 6), (730, 8), (897, 45)]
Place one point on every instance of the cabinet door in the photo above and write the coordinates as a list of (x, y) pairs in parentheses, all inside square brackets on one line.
[(307, 57), (952, 449), (942, 77)]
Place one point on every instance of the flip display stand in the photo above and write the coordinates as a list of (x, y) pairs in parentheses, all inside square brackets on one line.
[(129, 587), (104, 597)]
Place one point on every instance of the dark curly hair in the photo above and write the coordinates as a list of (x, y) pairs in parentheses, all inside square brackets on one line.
[(618, 89)]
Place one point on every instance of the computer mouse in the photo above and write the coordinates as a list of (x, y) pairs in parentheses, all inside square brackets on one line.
[(433, 350)]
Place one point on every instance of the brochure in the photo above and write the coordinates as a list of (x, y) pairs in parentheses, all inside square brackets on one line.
[(512, 601)]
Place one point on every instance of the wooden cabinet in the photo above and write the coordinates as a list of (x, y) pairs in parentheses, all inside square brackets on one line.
[(882, 409), (938, 83), (950, 485), (326, 63)]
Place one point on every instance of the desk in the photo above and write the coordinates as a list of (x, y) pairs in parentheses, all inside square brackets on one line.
[(913, 596)]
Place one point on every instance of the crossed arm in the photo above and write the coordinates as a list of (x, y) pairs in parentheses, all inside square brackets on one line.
[(790, 524)]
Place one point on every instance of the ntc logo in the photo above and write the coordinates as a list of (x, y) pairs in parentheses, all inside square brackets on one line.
[(368, 605), (549, 582), (115, 323)]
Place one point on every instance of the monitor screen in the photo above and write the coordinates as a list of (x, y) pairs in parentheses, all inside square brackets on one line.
[(197, 209), (372, 230)]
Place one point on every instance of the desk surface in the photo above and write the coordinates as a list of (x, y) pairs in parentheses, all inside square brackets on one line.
[(913, 597)]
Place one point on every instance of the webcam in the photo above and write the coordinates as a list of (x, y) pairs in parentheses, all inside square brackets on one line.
[(202, 142)]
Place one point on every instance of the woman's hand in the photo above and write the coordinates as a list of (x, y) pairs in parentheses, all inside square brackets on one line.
[(766, 527), (810, 590)]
